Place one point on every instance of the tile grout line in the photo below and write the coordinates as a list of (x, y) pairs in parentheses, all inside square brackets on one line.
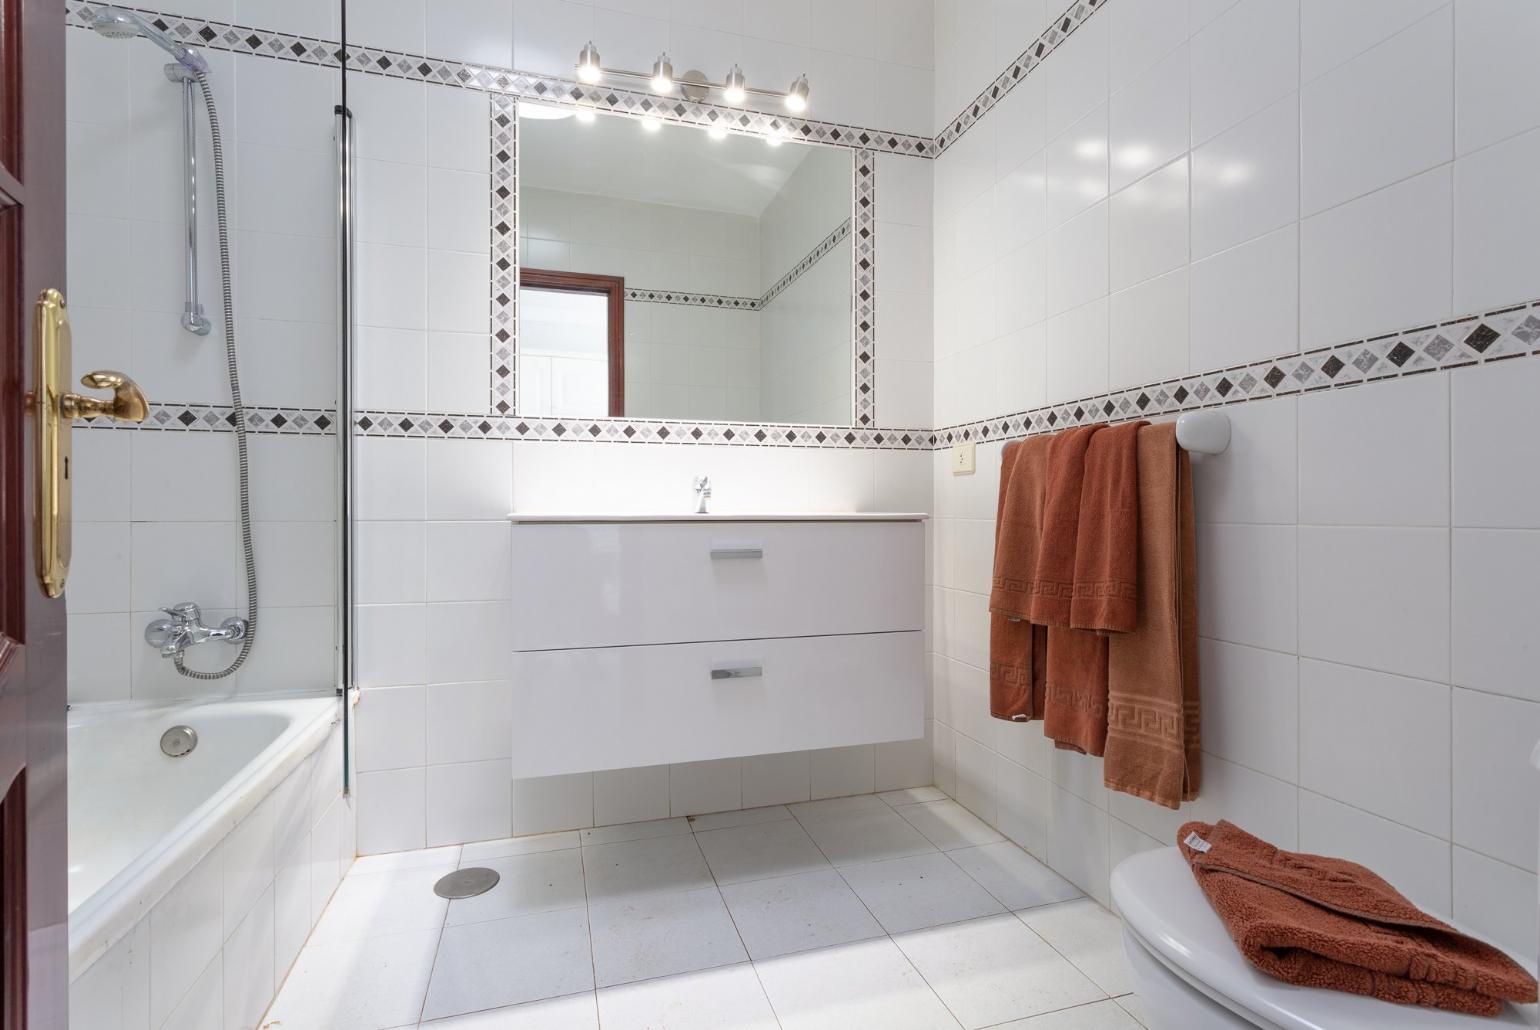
[(748, 956)]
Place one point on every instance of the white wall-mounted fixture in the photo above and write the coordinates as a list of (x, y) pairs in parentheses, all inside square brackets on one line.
[(735, 89), (1203, 432)]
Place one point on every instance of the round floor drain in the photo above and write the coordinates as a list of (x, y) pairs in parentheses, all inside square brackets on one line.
[(466, 883)]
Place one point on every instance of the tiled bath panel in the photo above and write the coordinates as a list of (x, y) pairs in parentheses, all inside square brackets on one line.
[(887, 910)]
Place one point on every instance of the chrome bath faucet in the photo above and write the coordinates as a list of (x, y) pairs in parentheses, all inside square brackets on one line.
[(702, 493), (185, 629)]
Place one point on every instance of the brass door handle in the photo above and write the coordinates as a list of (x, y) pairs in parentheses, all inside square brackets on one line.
[(127, 403)]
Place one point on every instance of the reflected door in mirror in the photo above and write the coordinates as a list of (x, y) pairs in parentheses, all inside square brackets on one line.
[(572, 344)]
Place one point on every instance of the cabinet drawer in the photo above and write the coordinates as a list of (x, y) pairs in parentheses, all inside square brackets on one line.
[(620, 707), (607, 584)]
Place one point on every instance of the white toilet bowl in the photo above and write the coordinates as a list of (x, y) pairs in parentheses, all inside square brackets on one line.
[(1190, 975)]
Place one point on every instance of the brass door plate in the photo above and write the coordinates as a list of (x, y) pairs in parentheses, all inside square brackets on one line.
[(51, 346)]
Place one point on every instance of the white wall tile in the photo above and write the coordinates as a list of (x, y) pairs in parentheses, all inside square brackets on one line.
[(469, 641), (1416, 864), (1077, 353), (1075, 164), (1495, 573), (976, 778), (479, 31), (1245, 302), (469, 801), (1376, 741), (1244, 60), (1148, 331), (1492, 100), (1141, 34), (392, 644), (1077, 261), (840, 771), (1245, 181), (1262, 487), (1484, 902), (469, 722), (390, 724), (391, 811), (1266, 807), (1232, 561), (1251, 710), (390, 562), (1075, 75), (1147, 232), (550, 803), (1148, 121), (699, 787), (1377, 455), (185, 934), (1377, 598), (776, 779), (1078, 842), (1493, 216), (630, 795), (1496, 796), (1377, 263), (1493, 473)]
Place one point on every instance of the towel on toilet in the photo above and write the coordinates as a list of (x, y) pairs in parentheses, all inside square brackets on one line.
[(1152, 747), (1017, 649), (1329, 923)]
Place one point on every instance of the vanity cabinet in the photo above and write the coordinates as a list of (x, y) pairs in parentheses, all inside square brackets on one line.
[(648, 641)]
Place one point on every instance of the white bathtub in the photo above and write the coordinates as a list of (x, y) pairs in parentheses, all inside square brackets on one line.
[(139, 821)]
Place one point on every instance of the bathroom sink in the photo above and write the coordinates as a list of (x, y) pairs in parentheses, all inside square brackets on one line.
[(715, 516)]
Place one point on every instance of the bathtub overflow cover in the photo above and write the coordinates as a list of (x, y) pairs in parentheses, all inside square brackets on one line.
[(466, 883), (179, 741)]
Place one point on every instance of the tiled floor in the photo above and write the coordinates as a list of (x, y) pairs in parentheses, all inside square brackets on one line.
[(885, 911)]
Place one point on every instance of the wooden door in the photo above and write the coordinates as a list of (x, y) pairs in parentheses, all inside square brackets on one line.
[(34, 939)]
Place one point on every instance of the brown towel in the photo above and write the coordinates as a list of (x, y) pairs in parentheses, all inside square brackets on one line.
[(1053, 583), (1016, 647), (1075, 694), (1329, 923), (1107, 546), (1152, 673)]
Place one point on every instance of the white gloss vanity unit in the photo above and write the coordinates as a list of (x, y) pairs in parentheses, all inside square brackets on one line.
[(654, 639)]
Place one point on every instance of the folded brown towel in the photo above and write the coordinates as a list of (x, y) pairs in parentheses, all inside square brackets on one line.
[(1016, 647), (1329, 923), (1052, 584), (1152, 673), (1107, 545)]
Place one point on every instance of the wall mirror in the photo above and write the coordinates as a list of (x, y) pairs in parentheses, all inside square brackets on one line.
[(674, 272)]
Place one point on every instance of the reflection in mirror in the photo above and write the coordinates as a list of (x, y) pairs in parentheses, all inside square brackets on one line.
[(734, 255)]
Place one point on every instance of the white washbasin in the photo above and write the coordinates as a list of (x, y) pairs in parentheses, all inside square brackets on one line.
[(715, 516)]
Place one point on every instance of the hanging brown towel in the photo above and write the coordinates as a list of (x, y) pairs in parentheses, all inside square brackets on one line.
[(1152, 748), (1016, 647), (1328, 923), (1053, 583), (1107, 546)]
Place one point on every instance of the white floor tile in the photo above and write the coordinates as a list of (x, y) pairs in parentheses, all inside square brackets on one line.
[(510, 961), (864, 836), (912, 796), (1100, 1015), (798, 913), (635, 831), (358, 985), (543, 882), (638, 937), (991, 970), (830, 808), (705, 1000), (659, 864), (1015, 878), (870, 984), (949, 825), (759, 851), (375, 904), (1134, 1006), (1089, 936), (925, 890), (435, 858), (574, 1012), (742, 817), (470, 854)]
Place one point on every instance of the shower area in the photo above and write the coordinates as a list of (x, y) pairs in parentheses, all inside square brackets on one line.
[(209, 644)]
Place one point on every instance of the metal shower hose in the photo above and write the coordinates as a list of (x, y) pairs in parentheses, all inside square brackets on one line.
[(239, 410)]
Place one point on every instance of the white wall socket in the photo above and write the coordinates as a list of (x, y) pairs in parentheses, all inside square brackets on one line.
[(962, 459)]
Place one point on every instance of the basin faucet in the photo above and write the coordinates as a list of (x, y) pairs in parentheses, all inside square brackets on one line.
[(184, 628), (702, 493)]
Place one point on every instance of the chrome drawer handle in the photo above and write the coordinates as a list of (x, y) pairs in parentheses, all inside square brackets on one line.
[(723, 553), (738, 672)]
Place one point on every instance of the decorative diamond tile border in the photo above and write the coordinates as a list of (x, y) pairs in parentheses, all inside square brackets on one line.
[(505, 254), (801, 268), (693, 300), (1474, 339), (441, 425), (1007, 80), (220, 418), (863, 292)]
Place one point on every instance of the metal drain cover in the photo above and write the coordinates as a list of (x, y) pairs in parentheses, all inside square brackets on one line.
[(466, 883), (178, 741)]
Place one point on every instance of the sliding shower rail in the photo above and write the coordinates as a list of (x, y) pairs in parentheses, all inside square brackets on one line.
[(193, 318), (344, 430)]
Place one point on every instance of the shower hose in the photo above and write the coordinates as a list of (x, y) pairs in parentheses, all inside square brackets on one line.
[(238, 410)]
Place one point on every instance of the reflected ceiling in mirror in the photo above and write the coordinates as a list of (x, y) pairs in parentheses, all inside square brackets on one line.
[(735, 256)]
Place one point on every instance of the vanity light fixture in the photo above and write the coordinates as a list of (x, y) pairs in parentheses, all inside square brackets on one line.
[(589, 68), (735, 89), (663, 74), (796, 97)]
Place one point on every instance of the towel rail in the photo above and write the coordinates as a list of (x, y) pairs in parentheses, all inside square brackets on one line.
[(1203, 432)]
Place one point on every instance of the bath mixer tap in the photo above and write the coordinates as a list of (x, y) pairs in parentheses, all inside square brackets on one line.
[(185, 629), (702, 493)]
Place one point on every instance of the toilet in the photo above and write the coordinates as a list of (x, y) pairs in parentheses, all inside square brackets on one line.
[(1191, 976)]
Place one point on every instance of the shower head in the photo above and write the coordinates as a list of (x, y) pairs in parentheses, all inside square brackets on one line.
[(116, 23)]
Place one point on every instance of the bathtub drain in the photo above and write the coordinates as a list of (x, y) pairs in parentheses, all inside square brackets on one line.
[(466, 883), (179, 741)]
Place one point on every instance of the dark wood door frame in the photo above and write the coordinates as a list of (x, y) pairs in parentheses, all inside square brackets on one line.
[(613, 287)]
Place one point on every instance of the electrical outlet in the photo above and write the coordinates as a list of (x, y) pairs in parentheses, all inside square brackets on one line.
[(962, 459)]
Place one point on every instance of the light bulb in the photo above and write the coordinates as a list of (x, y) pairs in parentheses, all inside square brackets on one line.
[(735, 89), (585, 116), (662, 75), (796, 97), (774, 139), (651, 123), (589, 68), (717, 132)]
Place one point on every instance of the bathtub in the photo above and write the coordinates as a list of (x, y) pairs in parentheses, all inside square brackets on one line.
[(140, 821)]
